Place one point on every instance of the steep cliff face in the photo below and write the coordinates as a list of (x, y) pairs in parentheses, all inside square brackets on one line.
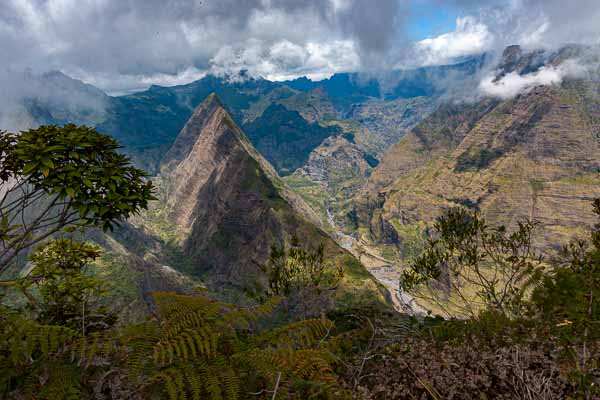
[(439, 133), (535, 156), (228, 204), (205, 145)]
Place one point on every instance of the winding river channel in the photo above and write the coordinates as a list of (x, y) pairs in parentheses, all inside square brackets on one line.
[(383, 270)]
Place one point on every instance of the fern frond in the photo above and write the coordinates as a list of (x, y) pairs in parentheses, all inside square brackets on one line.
[(300, 334), (211, 381), (28, 339)]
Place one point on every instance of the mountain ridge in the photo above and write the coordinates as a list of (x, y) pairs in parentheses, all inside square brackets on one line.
[(536, 156), (146, 122), (229, 206)]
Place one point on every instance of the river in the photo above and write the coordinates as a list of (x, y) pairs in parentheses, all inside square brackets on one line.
[(382, 269)]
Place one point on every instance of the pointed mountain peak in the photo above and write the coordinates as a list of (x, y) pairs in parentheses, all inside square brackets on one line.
[(209, 105), (227, 205), (212, 100), (211, 113), (209, 143)]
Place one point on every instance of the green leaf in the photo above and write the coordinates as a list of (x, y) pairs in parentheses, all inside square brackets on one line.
[(29, 168), (47, 162)]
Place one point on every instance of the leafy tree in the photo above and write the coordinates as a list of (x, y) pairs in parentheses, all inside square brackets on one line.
[(291, 268), (469, 265), (66, 296), (62, 316), (302, 276), (53, 178)]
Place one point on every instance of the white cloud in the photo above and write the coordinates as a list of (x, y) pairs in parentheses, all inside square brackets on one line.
[(548, 24), (470, 37), (513, 84), (127, 45), (534, 37), (126, 84), (124, 45), (286, 60)]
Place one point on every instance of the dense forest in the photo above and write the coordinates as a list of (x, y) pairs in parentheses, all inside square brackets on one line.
[(521, 326)]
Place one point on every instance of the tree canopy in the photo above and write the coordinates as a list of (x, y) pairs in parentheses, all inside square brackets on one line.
[(53, 178)]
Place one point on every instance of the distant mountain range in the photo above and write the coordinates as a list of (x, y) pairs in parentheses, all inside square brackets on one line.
[(361, 165), (146, 123), (222, 200)]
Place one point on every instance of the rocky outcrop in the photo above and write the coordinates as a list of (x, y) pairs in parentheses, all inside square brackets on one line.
[(515, 59)]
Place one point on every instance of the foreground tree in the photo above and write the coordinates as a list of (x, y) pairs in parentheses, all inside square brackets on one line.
[(53, 178), (65, 294), (292, 268), (302, 276), (549, 349), (469, 266), (568, 302)]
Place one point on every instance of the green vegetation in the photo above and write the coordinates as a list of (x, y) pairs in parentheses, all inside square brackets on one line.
[(473, 265), (413, 239), (195, 348), (476, 159), (581, 179), (550, 318), (64, 291), (286, 139), (62, 178), (256, 180), (536, 186), (525, 328), (314, 194), (293, 269), (119, 283)]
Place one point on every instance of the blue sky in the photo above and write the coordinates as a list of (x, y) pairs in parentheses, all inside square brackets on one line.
[(428, 19)]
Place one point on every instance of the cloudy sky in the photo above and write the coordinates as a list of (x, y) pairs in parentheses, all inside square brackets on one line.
[(125, 45)]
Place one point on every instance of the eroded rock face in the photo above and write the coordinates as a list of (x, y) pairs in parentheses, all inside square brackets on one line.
[(440, 132), (535, 156), (204, 145), (228, 203)]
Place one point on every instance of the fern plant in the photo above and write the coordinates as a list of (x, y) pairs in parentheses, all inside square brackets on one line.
[(194, 348), (206, 349)]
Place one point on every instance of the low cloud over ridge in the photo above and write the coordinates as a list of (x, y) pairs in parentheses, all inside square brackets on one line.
[(125, 46), (513, 83)]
